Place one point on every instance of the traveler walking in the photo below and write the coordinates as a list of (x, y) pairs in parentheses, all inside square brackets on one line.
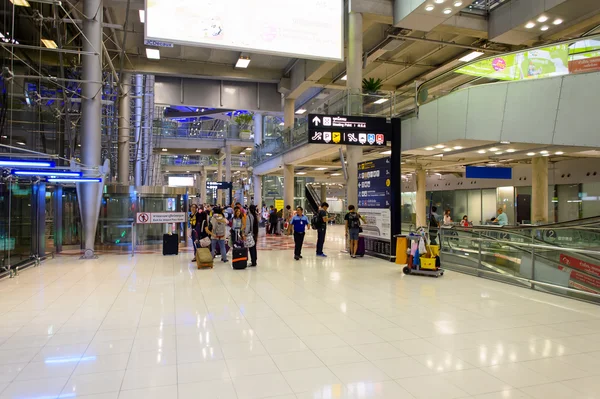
[(217, 230), (320, 224), (299, 224), (193, 218), (252, 231), (353, 220)]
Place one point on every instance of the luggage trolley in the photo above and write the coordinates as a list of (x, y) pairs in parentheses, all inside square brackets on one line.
[(427, 266)]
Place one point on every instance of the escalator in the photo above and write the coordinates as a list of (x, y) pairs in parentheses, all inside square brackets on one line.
[(312, 197), (530, 255)]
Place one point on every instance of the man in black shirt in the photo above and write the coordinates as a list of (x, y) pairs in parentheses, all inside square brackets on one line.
[(323, 218)]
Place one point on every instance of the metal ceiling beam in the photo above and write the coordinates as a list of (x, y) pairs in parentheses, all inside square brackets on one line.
[(444, 43)]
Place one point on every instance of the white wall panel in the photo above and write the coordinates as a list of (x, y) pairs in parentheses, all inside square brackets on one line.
[(452, 121), (485, 112), (425, 130), (530, 111), (578, 121)]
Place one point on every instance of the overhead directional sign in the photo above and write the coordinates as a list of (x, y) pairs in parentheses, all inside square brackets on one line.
[(349, 130)]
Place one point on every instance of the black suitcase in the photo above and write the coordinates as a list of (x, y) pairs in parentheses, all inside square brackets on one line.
[(239, 258), (170, 244), (360, 249)]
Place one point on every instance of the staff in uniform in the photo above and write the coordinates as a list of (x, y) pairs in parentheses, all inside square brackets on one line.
[(299, 224)]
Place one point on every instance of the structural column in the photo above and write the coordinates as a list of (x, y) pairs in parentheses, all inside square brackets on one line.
[(89, 194), (220, 178), (539, 190), (228, 163), (288, 113), (421, 179), (288, 185), (323, 193), (257, 186), (202, 184), (124, 130), (137, 112), (258, 128), (354, 157)]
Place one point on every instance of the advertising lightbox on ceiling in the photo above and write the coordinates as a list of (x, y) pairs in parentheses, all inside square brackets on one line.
[(181, 181), (310, 29)]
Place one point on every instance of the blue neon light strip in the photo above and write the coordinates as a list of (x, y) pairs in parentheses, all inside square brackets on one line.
[(54, 173), (27, 164), (75, 180)]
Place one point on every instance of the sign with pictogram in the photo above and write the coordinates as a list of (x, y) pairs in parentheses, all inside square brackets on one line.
[(348, 130), (143, 218), (159, 217)]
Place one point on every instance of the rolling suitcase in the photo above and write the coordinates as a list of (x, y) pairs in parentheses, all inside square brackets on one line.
[(204, 258), (170, 244), (360, 250), (239, 258)]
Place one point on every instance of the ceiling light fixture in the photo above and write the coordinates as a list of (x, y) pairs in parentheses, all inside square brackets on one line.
[(429, 8), (381, 101), (248, 149), (471, 56), (143, 16), (198, 150), (557, 21), (345, 77), (458, 3), (458, 147), (499, 153), (336, 174), (300, 173), (20, 143), (481, 152), (542, 18), (49, 43), (242, 62), (320, 168), (511, 150), (530, 25), (428, 148), (544, 28), (438, 1), (493, 149), (164, 150), (546, 155), (153, 53), (440, 146), (242, 153), (268, 154), (447, 149), (543, 152), (530, 154), (447, 11), (559, 152), (300, 111), (20, 3)]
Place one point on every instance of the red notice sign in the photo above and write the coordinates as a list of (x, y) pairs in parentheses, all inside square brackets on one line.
[(584, 65), (579, 264)]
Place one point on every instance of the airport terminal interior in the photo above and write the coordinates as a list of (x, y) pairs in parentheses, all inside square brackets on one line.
[(284, 199)]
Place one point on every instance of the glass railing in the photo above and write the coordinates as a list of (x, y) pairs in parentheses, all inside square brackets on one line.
[(575, 56), (204, 131), (563, 260), (241, 161)]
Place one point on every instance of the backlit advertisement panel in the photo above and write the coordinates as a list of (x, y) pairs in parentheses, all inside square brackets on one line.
[(302, 29)]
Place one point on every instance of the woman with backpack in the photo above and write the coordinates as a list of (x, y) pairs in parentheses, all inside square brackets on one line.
[(353, 220), (217, 230)]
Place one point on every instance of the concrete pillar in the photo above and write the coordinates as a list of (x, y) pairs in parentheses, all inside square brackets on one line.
[(289, 113), (539, 190), (137, 112), (353, 156), (421, 179), (89, 194), (323, 192), (288, 185), (258, 128), (257, 186), (202, 186), (354, 63), (124, 130), (228, 163), (220, 178)]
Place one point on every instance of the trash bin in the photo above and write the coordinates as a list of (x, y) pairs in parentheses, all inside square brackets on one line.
[(401, 249)]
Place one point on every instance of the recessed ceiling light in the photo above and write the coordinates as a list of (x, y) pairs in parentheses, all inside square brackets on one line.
[(510, 150), (438, 1), (300, 173), (198, 150), (242, 153), (429, 8), (543, 152), (499, 153), (542, 18), (471, 56), (166, 171), (458, 3), (439, 155), (336, 174), (153, 54), (248, 149), (320, 168), (447, 149), (530, 25), (381, 101), (142, 16), (345, 77), (544, 28), (458, 147), (187, 171), (164, 150), (300, 111), (428, 148), (49, 43), (481, 152), (559, 152), (268, 154), (242, 62), (20, 143), (505, 142), (530, 154), (493, 149), (546, 155), (557, 21), (447, 11), (440, 146)]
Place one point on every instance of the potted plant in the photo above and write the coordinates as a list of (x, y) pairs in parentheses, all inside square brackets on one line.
[(371, 85), (244, 122)]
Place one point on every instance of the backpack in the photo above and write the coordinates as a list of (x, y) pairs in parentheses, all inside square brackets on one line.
[(353, 220), (219, 229), (316, 221)]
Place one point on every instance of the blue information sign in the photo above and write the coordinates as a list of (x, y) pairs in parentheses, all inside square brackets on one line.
[(374, 184)]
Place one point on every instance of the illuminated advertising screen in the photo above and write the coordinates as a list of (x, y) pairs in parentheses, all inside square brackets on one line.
[(304, 29)]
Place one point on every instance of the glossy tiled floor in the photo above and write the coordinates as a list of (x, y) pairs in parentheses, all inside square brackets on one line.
[(154, 327)]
